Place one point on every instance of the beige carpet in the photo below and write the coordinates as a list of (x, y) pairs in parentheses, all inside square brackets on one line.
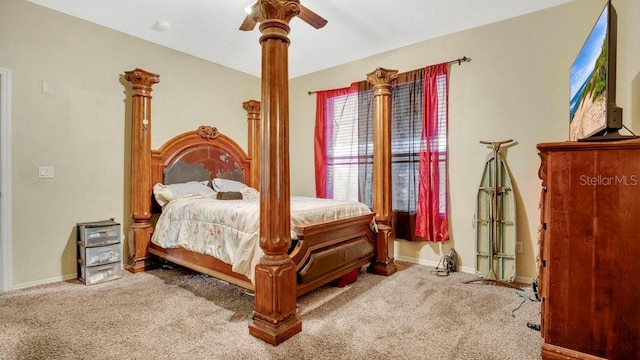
[(177, 314)]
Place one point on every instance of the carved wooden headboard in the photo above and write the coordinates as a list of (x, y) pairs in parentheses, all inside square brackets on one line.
[(197, 155)]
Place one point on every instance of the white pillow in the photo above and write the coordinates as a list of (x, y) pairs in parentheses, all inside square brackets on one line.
[(249, 192), (165, 193), (220, 185)]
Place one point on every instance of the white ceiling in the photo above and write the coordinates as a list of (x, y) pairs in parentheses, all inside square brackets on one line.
[(208, 29)]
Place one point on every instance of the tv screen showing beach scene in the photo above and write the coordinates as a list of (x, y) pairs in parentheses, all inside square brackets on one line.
[(588, 89)]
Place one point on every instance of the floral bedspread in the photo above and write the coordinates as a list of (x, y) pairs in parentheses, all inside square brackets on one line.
[(229, 229)]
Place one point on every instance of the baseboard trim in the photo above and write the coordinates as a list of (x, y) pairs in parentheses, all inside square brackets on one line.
[(524, 280), (464, 269), (44, 281)]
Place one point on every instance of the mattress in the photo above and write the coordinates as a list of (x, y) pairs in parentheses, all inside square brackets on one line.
[(229, 229)]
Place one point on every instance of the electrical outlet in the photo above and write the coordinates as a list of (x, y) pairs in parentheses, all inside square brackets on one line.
[(519, 247)]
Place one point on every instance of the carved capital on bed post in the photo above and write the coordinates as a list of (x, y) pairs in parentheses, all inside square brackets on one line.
[(380, 78), (253, 124), (275, 310), (140, 232)]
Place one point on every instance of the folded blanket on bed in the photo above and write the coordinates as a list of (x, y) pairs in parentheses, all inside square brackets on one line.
[(229, 195)]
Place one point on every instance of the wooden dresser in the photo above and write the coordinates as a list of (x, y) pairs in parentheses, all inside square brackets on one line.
[(590, 250)]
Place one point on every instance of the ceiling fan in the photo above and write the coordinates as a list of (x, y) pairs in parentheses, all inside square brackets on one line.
[(305, 15)]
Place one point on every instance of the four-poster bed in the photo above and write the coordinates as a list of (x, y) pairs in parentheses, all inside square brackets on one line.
[(323, 251)]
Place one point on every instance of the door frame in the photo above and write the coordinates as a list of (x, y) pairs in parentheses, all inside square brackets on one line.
[(5, 180)]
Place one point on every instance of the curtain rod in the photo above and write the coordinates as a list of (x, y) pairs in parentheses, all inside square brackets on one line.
[(459, 61)]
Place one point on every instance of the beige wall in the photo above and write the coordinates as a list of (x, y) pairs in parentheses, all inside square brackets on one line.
[(516, 87), (628, 89), (81, 128)]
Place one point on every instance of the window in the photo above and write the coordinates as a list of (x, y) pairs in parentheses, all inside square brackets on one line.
[(342, 147), (349, 146)]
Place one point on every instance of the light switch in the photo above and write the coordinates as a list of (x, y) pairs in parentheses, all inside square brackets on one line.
[(47, 88), (45, 172)]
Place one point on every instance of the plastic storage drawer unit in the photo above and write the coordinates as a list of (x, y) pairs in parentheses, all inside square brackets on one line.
[(99, 251)]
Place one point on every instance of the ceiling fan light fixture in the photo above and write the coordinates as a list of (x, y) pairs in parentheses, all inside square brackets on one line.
[(249, 8), (305, 15)]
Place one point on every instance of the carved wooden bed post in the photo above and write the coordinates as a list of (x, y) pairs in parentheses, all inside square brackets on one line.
[(275, 316), (140, 232), (253, 124), (380, 78)]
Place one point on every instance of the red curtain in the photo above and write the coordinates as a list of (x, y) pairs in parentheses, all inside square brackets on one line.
[(431, 214), (323, 131)]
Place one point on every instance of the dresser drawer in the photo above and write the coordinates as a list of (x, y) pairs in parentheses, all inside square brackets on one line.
[(96, 274), (92, 256)]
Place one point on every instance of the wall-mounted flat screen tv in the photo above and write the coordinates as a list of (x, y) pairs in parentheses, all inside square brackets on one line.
[(593, 114)]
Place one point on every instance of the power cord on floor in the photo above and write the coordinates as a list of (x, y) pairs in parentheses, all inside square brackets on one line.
[(629, 130), (530, 325), (533, 297), (524, 299), (448, 262), (438, 272)]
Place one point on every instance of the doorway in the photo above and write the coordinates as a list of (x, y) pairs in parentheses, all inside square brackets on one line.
[(5, 180)]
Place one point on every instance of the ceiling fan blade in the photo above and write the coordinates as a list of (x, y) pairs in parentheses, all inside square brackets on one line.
[(311, 18), (248, 24)]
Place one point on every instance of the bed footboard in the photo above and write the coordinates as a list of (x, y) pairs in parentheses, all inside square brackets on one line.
[(324, 252), (202, 263)]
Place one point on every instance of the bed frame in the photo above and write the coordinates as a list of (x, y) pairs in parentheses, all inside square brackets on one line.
[(324, 252)]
